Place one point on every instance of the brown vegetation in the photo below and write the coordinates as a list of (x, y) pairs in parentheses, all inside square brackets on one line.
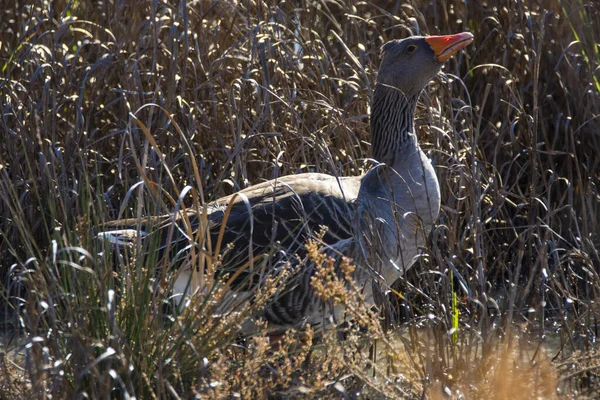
[(196, 103)]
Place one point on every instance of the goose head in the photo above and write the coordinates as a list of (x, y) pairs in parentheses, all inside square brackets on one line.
[(409, 64)]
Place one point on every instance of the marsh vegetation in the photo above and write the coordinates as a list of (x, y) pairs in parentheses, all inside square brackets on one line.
[(116, 109)]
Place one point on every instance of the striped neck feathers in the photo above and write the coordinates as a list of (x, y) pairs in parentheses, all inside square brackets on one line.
[(392, 123)]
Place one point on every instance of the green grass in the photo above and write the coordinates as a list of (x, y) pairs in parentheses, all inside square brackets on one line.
[(123, 109)]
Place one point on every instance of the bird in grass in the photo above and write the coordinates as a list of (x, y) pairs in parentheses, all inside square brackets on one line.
[(379, 220)]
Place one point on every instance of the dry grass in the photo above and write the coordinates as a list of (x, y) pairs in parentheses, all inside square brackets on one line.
[(99, 96)]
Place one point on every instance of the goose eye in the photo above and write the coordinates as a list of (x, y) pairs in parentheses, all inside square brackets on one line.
[(411, 48)]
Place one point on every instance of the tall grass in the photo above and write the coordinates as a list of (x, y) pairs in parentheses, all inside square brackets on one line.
[(121, 109)]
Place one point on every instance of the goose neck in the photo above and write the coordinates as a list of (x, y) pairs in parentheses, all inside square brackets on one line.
[(392, 123)]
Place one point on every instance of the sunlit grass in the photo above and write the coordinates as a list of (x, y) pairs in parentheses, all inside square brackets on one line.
[(129, 109)]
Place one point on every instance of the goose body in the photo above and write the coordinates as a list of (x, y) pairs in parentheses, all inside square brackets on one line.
[(380, 220), (276, 215)]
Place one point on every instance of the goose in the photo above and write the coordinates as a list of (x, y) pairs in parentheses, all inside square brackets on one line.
[(379, 220)]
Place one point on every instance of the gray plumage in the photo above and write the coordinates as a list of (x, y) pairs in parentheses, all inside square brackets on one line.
[(380, 219)]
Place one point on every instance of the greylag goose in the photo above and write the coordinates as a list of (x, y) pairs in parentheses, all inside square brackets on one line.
[(379, 219)]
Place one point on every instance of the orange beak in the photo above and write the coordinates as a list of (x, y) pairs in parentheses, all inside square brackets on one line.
[(445, 46)]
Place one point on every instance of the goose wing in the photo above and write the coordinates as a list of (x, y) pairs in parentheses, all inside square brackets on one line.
[(273, 218)]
